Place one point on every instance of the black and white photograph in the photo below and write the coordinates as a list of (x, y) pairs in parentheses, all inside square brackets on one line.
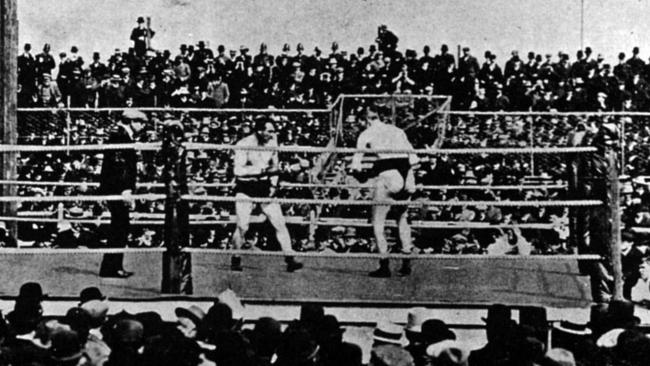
[(324, 183)]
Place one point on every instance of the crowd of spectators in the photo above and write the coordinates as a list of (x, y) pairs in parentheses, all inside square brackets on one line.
[(87, 336), (197, 77), (212, 167)]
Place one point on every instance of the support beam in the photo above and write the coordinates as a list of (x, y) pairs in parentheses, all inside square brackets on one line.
[(8, 99), (614, 204)]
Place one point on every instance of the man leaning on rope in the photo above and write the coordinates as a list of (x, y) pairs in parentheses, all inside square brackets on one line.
[(256, 175), (395, 181)]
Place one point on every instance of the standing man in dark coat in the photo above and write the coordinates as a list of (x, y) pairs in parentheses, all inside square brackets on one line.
[(44, 62), (631, 260), (140, 36), (118, 176), (27, 71)]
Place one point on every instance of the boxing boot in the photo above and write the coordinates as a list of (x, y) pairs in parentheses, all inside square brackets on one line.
[(292, 265), (383, 271), (405, 270), (235, 263)]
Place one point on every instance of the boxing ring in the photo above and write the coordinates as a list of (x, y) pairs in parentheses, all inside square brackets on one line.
[(328, 277)]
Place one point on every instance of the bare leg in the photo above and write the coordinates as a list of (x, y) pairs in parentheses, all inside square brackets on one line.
[(243, 211), (405, 238), (405, 231), (273, 213), (379, 213)]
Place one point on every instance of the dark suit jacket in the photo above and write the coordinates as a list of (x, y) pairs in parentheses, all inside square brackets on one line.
[(119, 166)]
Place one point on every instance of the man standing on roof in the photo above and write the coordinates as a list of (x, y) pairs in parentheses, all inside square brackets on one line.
[(141, 36), (118, 177), (256, 173), (395, 180)]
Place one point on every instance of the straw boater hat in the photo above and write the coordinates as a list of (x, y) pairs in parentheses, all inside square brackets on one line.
[(387, 332)]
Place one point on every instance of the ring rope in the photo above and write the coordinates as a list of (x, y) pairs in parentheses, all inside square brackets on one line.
[(182, 110), (300, 185), (545, 113), (151, 146), (117, 197), (349, 150), (82, 250), (393, 255), (148, 146), (420, 203), (28, 251), (299, 220)]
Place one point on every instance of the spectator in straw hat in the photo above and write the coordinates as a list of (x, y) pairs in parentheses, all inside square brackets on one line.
[(387, 332), (118, 177), (189, 320)]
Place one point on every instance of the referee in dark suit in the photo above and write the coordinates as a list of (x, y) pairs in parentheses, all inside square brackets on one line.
[(118, 177)]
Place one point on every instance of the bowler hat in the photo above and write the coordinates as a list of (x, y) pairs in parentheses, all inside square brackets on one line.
[(31, 291), (90, 293), (140, 20), (436, 330)]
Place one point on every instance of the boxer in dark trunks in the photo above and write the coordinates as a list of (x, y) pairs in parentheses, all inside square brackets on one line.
[(394, 180), (256, 176)]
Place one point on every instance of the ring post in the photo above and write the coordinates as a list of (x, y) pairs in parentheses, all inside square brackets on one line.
[(614, 205), (177, 265), (9, 99)]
